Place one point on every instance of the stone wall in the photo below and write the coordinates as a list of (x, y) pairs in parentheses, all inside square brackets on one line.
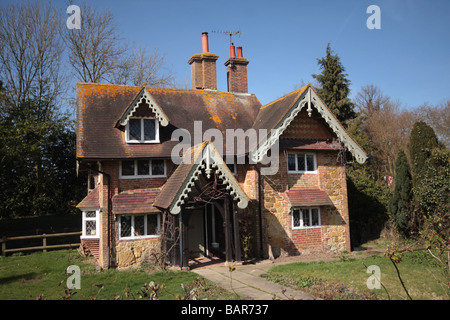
[(332, 235), (131, 253)]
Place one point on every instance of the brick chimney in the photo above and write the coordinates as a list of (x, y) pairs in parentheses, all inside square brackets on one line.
[(203, 67), (237, 71)]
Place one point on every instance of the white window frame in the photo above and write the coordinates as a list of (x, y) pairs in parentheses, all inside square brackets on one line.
[(310, 210), (304, 154), (97, 223), (134, 237), (142, 140), (140, 176)]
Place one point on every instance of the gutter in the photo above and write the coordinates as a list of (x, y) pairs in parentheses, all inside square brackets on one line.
[(108, 176)]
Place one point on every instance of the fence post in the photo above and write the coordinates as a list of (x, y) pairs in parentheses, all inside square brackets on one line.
[(44, 242), (3, 246)]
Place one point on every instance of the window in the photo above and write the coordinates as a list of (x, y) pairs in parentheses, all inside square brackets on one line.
[(305, 218), (90, 224), (138, 226), (302, 163), (142, 168), (142, 130)]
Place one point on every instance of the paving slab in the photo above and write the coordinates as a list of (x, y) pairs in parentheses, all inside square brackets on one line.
[(246, 281)]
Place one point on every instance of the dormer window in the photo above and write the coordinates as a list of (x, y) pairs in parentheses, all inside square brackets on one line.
[(142, 130)]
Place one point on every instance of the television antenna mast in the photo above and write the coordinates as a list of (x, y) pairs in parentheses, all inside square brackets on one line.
[(230, 33)]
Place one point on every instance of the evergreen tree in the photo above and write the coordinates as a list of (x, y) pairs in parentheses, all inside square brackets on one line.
[(400, 203), (422, 142), (335, 86)]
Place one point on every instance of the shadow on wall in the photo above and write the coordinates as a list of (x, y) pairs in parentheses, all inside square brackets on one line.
[(367, 215)]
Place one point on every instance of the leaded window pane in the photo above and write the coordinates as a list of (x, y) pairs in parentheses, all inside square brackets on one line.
[(158, 167), (90, 214), (143, 167), (90, 227), (125, 226), (291, 162), (149, 130), (296, 218), (152, 224), (315, 217), (310, 162), (301, 162), (306, 218), (139, 226), (134, 129), (128, 168)]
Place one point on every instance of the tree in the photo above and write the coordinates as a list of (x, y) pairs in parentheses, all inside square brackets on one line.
[(37, 141), (437, 117), (98, 54), (400, 203), (30, 55), (139, 68), (335, 87), (422, 142)]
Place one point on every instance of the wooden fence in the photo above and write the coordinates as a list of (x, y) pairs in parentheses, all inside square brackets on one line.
[(44, 246)]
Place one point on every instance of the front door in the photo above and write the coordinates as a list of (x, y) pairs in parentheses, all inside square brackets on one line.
[(196, 238)]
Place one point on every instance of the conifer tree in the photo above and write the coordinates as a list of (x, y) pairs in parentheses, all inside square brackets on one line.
[(422, 142), (400, 203), (335, 87)]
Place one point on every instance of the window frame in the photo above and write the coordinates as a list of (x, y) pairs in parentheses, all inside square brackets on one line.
[(132, 227), (141, 176), (97, 223), (142, 140), (310, 212), (304, 154)]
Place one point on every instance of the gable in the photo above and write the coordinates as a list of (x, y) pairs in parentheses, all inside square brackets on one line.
[(278, 116), (145, 103), (199, 160), (307, 127)]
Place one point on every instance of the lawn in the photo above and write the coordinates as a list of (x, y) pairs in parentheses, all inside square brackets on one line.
[(347, 278), (43, 276)]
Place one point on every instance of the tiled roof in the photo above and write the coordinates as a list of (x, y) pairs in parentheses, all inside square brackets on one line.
[(135, 201), (308, 198), (91, 200), (100, 106)]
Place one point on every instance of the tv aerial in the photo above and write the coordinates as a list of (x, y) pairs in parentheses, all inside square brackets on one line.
[(230, 33)]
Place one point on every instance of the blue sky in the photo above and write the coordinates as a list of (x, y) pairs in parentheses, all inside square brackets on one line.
[(408, 58)]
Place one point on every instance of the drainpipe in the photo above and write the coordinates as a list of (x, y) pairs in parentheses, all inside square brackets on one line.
[(108, 177), (260, 212)]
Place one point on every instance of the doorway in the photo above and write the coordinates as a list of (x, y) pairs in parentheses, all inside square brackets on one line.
[(206, 233)]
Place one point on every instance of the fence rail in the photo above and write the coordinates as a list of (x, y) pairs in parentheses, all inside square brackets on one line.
[(44, 246)]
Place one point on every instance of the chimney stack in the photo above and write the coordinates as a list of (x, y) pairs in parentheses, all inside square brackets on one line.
[(237, 71), (203, 67)]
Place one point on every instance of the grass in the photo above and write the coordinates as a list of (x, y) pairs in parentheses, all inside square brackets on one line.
[(43, 276), (346, 279)]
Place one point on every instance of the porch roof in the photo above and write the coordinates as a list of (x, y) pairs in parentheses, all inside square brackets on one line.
[(135, 201), (91, 201), (200, 158), (308, 198)]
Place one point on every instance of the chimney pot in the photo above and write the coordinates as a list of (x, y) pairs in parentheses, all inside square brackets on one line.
[(239, 52), (232, 51), (205, 44)]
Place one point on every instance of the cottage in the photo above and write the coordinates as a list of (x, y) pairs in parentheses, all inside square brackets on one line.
[(165, 178)]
